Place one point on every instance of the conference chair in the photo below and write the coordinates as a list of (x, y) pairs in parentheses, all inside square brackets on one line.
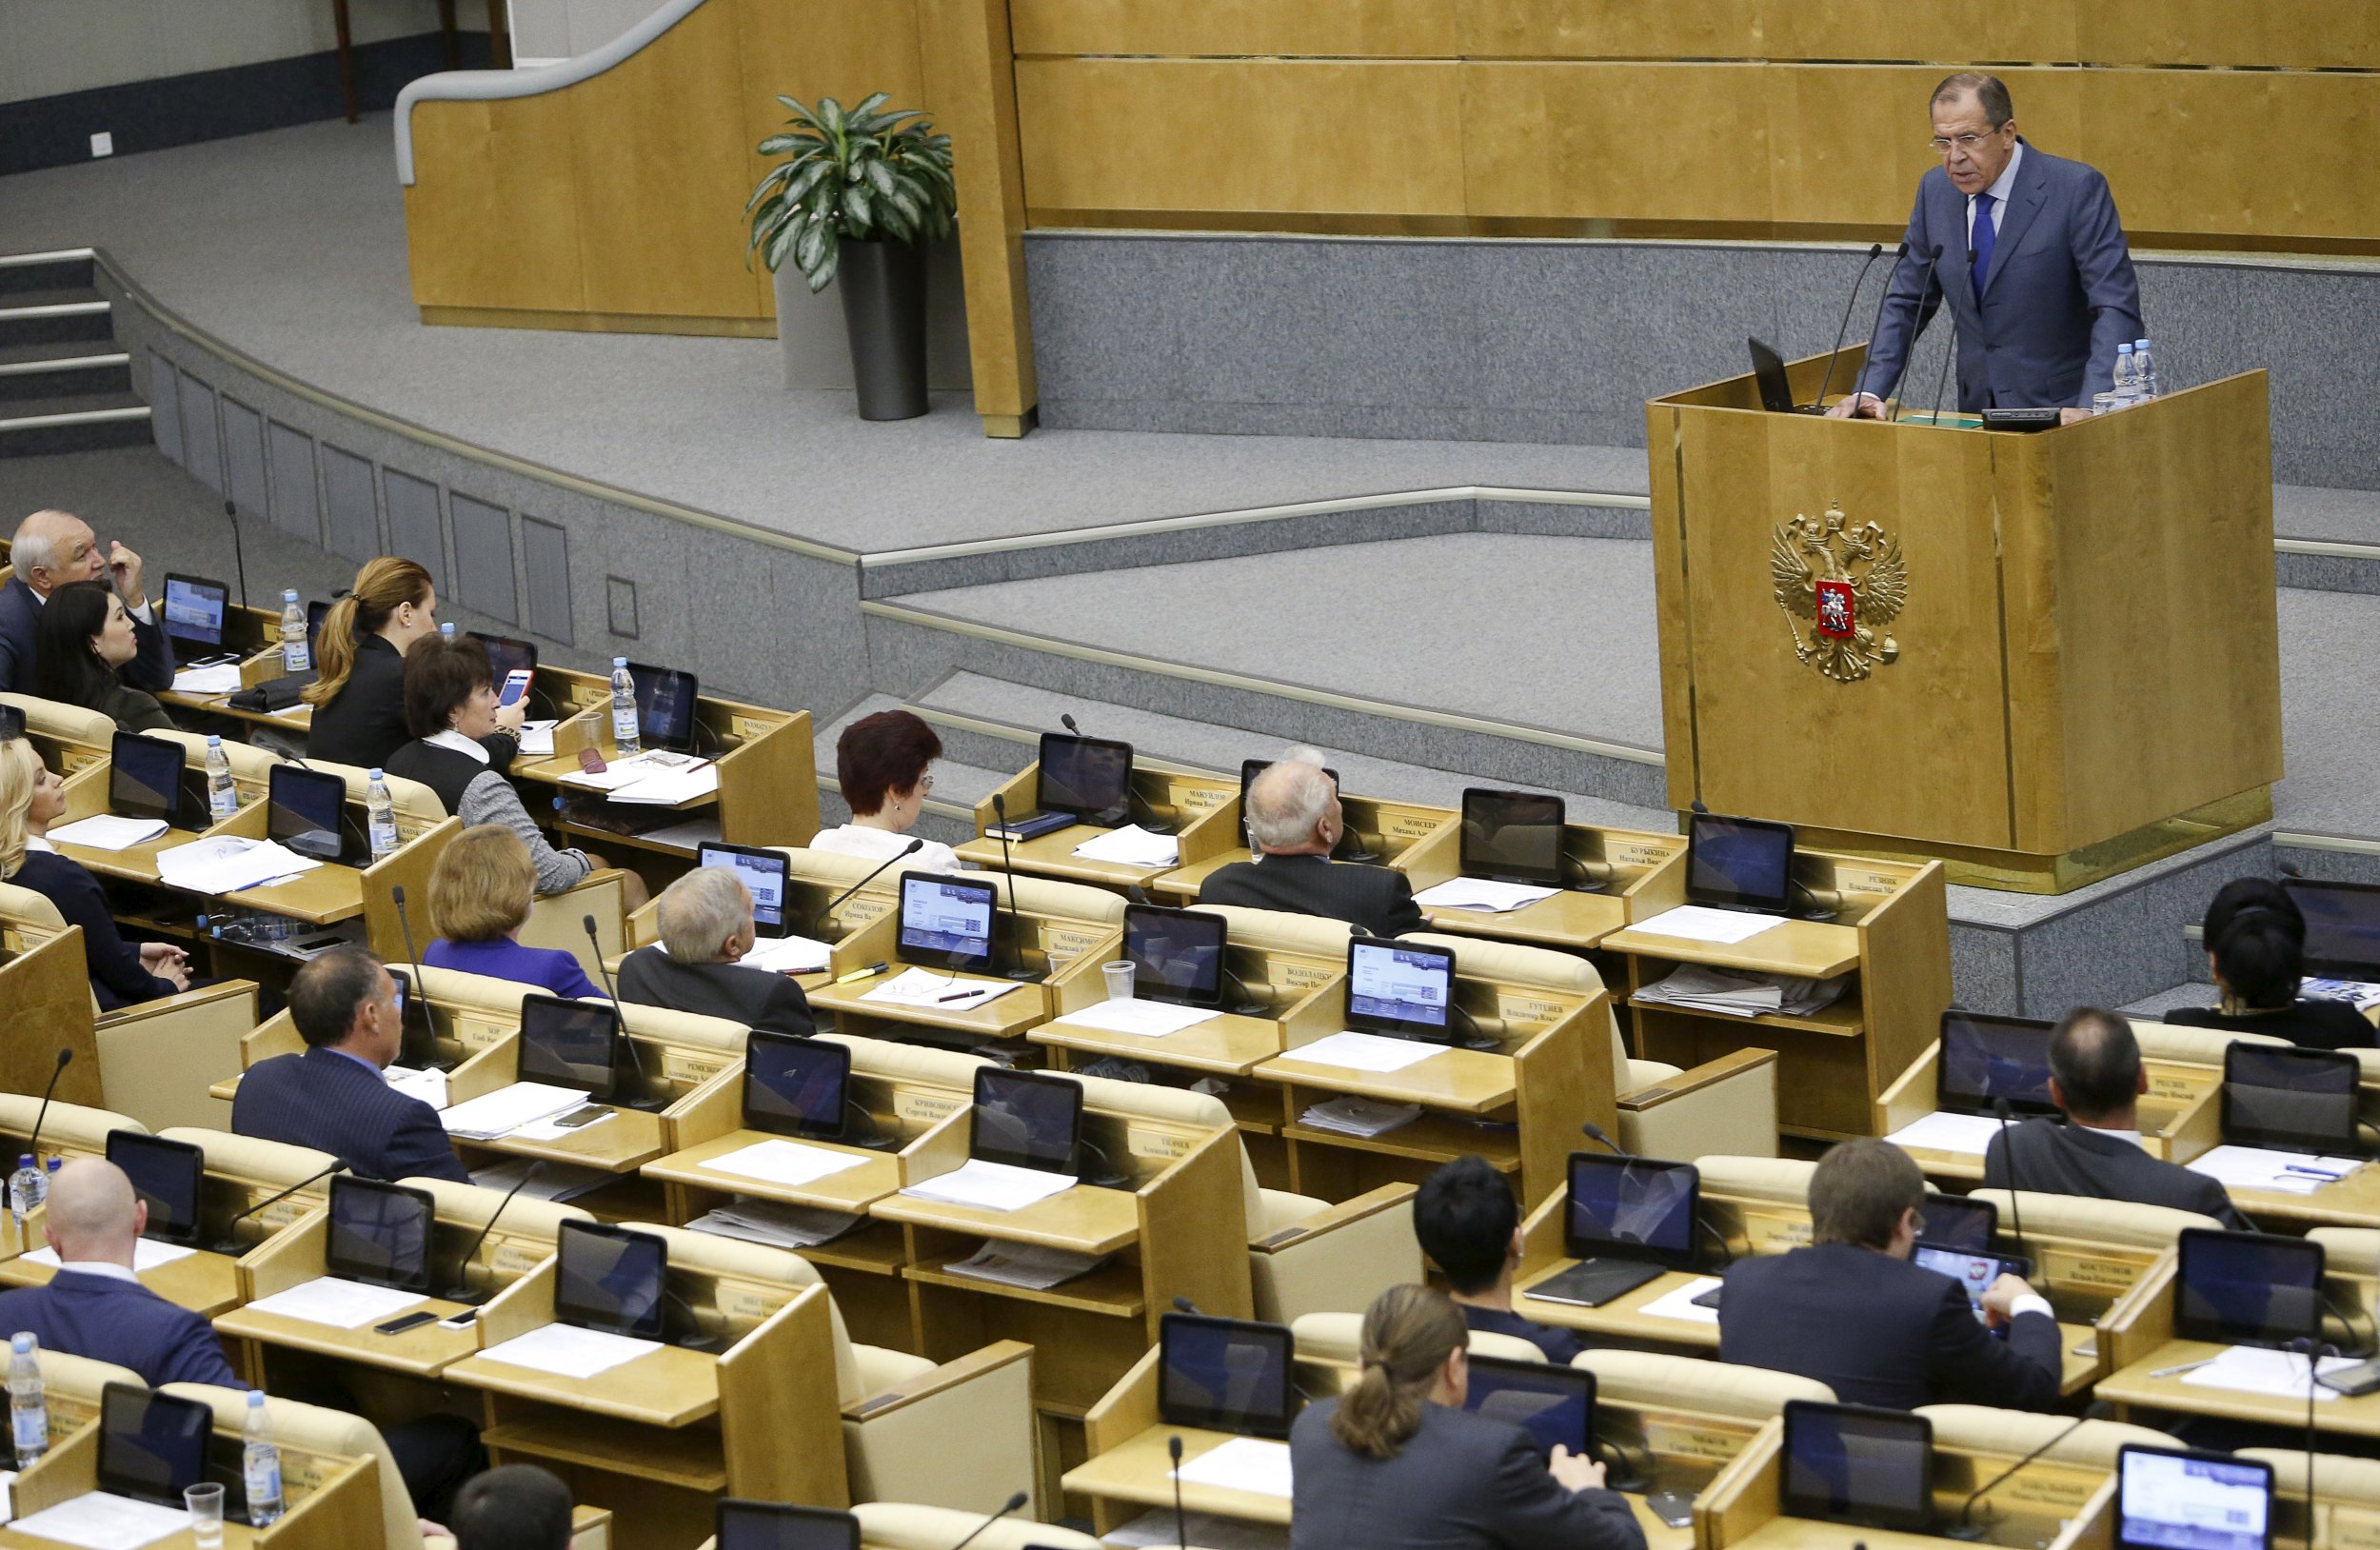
[(1695, 1385), (259, 1169), (56, 722), (319, 1430), (71, 1385), (1982, 1428), (1334, 1341), (2178, 1044), (902, 1525), (74, 1129)]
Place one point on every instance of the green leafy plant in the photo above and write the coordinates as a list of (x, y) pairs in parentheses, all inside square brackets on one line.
[(863, 173)]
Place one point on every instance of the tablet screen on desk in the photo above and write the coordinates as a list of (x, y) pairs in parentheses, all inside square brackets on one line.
[(763, 872), (1986, 1058), (169, 1175), (2248, 1288), (570, 1043), (303, 810), (1399, 989), (380, 1233), (152, 1447), (145, 778), (2170, 1499), (1512, 837), (193, 613), (2292, 1100), (1738, 862), (1555, 1404), (795, 1086), (945, 923), (1847, 1464), (610, 1279), (1025, 1119), (2342, 927), (1086, 776), (664, 706), (1633, 1208), (506, 656), (1226, 1375), (1177, 955), (316, 612), (774, 1525)]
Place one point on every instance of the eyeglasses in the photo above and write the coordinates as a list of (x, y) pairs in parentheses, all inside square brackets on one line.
[(925, 783), (1965, 142)]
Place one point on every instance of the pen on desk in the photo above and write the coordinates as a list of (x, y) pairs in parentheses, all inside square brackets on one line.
[(2319, 1173), (956, 995), (868, 973), (2177, 1371)]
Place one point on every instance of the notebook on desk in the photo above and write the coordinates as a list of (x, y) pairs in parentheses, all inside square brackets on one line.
[(1627, 1220)]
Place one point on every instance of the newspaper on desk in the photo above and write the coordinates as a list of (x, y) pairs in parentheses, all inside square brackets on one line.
[(1348, 1115), (1035, 1266), (1741, 992), (1484, 895), (775, 1224)]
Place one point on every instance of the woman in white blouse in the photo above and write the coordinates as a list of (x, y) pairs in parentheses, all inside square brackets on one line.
[(882, 761)]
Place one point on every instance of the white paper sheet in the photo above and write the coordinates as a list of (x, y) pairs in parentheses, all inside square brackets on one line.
[(105, 831), (508, 1108), (2247, 1369), (147, 1254), (992, 1186), (786, 1163), (1362, 1052), (223, 678), (1244, 1464), (1482, 894), (924, 987), (429, 1086), (338, 1302), (1694, 922), (1131, 845), (1352, 1116), (537, 738), (1679, 1304), (1033, 1265), (1968, 1134), (103, 1520), (670, 788), (568, 1351), (226, 864), (2258, 1167), (1149, 1019), (787, 955)]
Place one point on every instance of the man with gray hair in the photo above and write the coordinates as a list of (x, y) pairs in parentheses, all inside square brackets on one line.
[(50, 550), (706, 928), (1293, 822)]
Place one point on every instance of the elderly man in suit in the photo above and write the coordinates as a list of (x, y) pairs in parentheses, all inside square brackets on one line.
[(50, 550), (1294, 821), (2026, 248), (706, 925), (333, 1097)]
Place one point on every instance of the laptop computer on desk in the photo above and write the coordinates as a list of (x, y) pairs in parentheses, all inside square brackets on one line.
[(194, 614), (1776, 390), (1629, 1219)]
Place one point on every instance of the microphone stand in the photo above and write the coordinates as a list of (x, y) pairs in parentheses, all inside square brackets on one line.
[(2015, 1192), (229, 1243), (1010, 1505), (1952, 355), (239, 557), (1859, 384), (818, 923), (1015, 969), (461, 1292), (1934, 261), (619, 1022), (32, 1142), (1966, 1527), (1182, 1521), (1875, 251)]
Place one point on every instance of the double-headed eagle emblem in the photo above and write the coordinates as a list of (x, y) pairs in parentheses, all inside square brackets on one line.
[(1845, 584)]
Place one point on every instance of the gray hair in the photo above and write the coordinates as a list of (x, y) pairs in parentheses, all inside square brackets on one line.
[(1287, 800), (36, 541), (700, 910), (1989, 92)]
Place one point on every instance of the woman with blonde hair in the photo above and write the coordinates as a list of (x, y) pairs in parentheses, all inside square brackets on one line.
[(30, 799), (1396, 1463), (358, 694), (480, 894)]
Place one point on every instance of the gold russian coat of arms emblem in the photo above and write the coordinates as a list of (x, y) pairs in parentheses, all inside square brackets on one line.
[(1840, 586)]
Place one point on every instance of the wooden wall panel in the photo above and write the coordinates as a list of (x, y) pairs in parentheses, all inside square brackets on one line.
[(1657, 142), (1949, 35), (1849, 140), (2224, 152), (1613, 29), (2304, 34), (968, 77), (497, 226), (1362, 29)]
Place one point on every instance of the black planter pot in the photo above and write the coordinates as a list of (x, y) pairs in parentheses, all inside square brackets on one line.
[(884, 312)]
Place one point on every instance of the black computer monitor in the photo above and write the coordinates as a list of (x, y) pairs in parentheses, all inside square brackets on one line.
[(1847, 1464), (1738, 862), (1402, 990), (1177, 955), (506, 656), (764, 873), (1633, 1208), (946, 922), (1025, 1119), (194, 614), (11, 722), (2290, 1100), (2180, 1498), (152, 1447), (170, 1176), (610, 1277), (2248, 1288), (2342, 927), (1512, 837), (1225, 1375), (795, 1086), (570, 1044), (1768, 374), (380, 1233), (1958, 1221), (145, 778), (1086, 776), (664, 706), (1555, 1404), (418, 1038), (316, 612), (776, 1526), (303, 810), (1985, 1058)]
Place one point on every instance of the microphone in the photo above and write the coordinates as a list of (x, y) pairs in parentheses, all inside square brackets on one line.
[(1875, 251), (239, 558), (1952, 354), (1966, 1528), (32, 1142), (1007, 1507), (618, 1021), (1933, 259), (228, 1243), (1898, 253), (818, 922), (1182, 1522), (412, 960), (461, 1291), (1182, 1305), (2015, 1192), (1594, 1132), (1007, 864)]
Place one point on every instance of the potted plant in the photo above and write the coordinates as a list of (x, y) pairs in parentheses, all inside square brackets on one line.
[(858, 193)]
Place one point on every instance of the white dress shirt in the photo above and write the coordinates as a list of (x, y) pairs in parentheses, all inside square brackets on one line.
[(100, 1267)]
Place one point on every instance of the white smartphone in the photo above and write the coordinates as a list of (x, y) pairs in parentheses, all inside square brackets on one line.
[(516, 685)]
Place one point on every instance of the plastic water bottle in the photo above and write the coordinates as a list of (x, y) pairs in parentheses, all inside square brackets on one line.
[(222, 798), (626, 736), (28, 1187), (296, 657), (445, 632), (2144, 370), (380, 815), (260, 1464), (2127, 377), (28, 1410)]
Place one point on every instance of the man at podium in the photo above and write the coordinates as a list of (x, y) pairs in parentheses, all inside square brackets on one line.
[(2027, 249)]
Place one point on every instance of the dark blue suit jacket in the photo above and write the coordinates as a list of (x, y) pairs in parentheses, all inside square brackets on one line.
[(20, 613), (2060, 297), (117, 975), (337, 1103), (114, 1321)]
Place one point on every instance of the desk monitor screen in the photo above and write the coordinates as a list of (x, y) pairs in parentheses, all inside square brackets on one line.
[(2342, 927), (774, 1525), (1846, 1463), (664, 706), (1958, 1221), (1738, 862), (1025, 1119), (303, 810), (418, 1046), (145, 778), (11, 722), (1086, 776), (2248, 1288), (152, 1447), (2172, 1498), (1633, 1208), (610, 1277), (2292, 1100), (764, 872), (1972, 1269), (506, 655), (1768, 374), (1985, 1058), (380, 1233), (947, 922), (795, 1086), (1177, 955), (193, 615), (1512, 837), (169, 1175), (570, 1044), (1555, 1404), (1225, 1375), (1399, 989)]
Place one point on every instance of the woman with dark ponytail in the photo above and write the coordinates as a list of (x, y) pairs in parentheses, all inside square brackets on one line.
[(2256, 941), (358, 694), (1396, 1463)]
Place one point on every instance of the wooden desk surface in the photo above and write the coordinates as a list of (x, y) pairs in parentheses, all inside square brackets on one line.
[(1471, 1080), (669, 1387), (853, 1190), (1812, 949), (424, 1351), (134, 864), (622, 1143), (2354, 1201), (1009, 1015), (1084, 1220), (324, 896), (1052, 855), (1807, 1534), (2358, 1417), (562, 770), (235, 1537), (1569, 919), (1231, 1045), (205, 1283)]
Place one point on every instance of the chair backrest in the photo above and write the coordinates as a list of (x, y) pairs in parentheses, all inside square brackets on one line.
[(81, 1378), (910, 1062), (2337, 1480), (411, 797), (274, 1164), (900, 1525), (1068, 900), (319, 1429), (1983, 1428), (249, 761), (2181, 1045), (2096, 1220), (72, 1125), (1654, 1379), (1513, 963), (1783, 1179), (479, 992), (710, 1255), (1337, 1339), (68, 724), (691, 1029), (1279, 930), (2354, 1251), (1177, 1105), (24, 904), (473, 1207)]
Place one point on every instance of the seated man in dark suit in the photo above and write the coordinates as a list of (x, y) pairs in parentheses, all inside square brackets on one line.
[(1469, 1225), (515, 1507), (706, 927), (333, 1097), (2096, 1076), (50, 550), (1852, 1312), (1294, 820), (94, 1306)]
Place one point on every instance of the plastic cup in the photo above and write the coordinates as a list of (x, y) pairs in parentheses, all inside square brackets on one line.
[(1118, 979), (2103, 402), (204, 1503)]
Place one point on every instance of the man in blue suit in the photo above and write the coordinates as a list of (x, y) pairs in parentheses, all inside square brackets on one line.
[(94, 1306), (2027, 249), (50, 550), (333, 1097)]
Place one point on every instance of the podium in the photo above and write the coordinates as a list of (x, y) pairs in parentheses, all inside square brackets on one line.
[(2042, 658)]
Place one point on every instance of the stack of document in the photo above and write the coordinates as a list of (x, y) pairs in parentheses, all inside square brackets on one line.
[(568, 1351), (786, 1163), (775, 1224), (104, 1521), (2248, 1369), (556, 1182), (105, 831), (147, 1254), (429, 1086), (340, 1303), (1695, 923), (1362, 1052), (1741, 993), (1132, 845), (226, 864), (992, 1186), (787, 955), (1481, 894), (1244, 1464), (1035, 1265), (2257, 1168), (507, 1109), (653, 777), (222, 678), (537, 738), (1351, 1116), (1149, 1019), (923, 987), (1970, 1134)]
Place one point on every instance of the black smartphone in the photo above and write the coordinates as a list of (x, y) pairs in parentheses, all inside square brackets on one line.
[(403, 1321)]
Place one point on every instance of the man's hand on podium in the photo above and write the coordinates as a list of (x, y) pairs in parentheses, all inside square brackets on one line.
[(1857, 407), (2070, 414)]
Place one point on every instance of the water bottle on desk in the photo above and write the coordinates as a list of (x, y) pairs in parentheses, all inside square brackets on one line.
[(2127, 377), (28, 1188), (223, 797), (260, 1464), (2144, 370), (296, 656), (625, 735), (380, 816), (445, 632), (29, 1408)]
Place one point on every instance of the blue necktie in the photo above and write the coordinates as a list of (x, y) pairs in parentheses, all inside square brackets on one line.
[(1982, 241)]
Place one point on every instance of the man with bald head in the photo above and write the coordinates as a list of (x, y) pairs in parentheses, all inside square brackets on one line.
[(50, 550), (1293, 821), (94, 1306)]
